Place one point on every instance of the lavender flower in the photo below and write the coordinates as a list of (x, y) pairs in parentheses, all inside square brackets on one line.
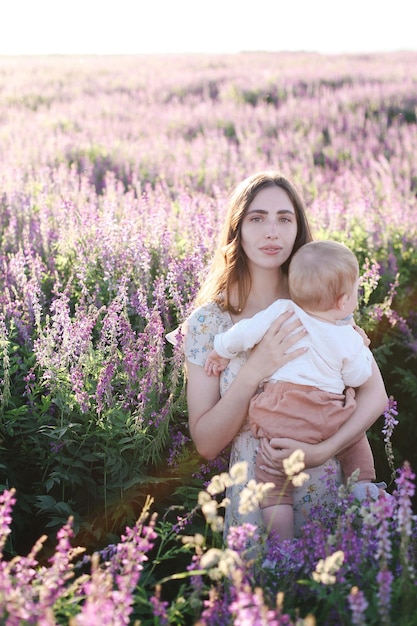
[(7, 501), (390, 422), (358, 605), (159, 607), (406, 522), (405, 491), (249, 609), (109, 591), (240, 537), (384, 579)]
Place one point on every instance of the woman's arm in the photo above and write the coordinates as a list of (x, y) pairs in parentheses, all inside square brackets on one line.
[(371, 402), (214, 420)]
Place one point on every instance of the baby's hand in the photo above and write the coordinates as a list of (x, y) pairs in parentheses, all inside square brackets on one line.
[(363, 334), (215, 364)]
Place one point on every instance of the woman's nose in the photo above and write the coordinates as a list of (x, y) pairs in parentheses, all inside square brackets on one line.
[(272, 232)]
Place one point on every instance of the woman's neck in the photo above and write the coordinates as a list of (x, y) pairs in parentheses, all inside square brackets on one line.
[(266, 288)]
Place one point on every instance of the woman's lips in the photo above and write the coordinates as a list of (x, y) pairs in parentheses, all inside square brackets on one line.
[(271, 249)]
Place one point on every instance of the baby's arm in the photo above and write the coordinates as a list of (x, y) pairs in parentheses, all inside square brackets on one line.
[(350, 320), (215, 364), (357, 366), (248, 332)]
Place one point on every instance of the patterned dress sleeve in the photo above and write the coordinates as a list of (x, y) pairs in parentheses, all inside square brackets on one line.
[(200, 329)]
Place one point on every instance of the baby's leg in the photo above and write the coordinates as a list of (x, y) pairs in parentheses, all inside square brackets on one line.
[(358, 456), (280, 518)]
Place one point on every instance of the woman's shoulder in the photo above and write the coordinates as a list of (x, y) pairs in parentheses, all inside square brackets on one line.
[(200, 328), (210, 311), (208, 318)]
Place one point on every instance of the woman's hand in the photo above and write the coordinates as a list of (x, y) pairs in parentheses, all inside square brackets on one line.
[(274, 350), (275, 450)]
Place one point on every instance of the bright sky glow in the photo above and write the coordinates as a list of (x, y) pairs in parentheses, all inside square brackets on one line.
[(209, 26)]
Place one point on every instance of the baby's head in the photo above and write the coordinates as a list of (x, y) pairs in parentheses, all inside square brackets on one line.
[(321, 273)]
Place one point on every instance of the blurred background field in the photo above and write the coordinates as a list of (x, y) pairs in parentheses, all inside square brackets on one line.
[(113, 181)]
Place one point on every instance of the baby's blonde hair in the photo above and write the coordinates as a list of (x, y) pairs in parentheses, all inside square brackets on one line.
[(320, 273)]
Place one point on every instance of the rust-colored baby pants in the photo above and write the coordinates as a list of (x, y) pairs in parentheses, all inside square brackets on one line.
[(310, 415)]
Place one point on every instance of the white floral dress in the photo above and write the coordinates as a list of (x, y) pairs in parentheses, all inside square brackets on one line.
[(201, 327)]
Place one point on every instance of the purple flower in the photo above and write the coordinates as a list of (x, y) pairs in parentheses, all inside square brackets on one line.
[(404, 492), (239, 538), (358, 605), (390, 421), (109, 590), (160, 607), (7, 501), (384, 580), (178, 442), (249, 609)]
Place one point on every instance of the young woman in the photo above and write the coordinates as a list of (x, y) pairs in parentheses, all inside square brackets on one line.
[(265, 225)]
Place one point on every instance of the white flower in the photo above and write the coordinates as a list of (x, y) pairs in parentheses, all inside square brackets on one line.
[(294, 464), (210, 558), (327, 568), (229, 562), (219, 483), (238, 475), (300, 479), (217, 524), (239, 472), (220, 562), (203, 497), (193, 540), (252, 494), (209, 509)]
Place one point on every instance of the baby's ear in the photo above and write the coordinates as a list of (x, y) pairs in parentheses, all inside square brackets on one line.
[(341, 301)]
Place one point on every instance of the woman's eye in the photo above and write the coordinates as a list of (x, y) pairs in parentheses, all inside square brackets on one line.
[(256, 218)]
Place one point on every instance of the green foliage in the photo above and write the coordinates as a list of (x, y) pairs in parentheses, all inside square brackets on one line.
[(95, 461), (115, 221)]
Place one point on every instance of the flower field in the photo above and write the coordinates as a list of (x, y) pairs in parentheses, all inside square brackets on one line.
[(113, 181)]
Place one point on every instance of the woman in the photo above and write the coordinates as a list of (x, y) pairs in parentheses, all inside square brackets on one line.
[(265, 225)]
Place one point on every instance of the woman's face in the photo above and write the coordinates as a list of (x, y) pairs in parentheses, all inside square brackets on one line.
[(269, 228)]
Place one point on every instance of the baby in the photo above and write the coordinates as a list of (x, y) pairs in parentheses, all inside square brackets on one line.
[(307, 398)]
